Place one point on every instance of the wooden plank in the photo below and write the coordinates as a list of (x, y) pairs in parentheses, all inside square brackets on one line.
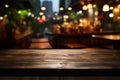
[(59, 62), (63, 78), (61, 59)]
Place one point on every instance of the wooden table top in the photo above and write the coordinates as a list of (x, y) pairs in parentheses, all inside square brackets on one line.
[(110, 37), (59, 62), (81, 34), (60, 59)]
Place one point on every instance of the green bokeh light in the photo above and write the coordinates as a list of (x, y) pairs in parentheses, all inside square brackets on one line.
[(23, 13)]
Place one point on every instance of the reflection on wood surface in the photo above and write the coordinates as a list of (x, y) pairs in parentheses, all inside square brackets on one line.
[(60, 59), (111, 37)]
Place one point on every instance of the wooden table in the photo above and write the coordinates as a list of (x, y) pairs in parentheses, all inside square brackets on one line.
[(59, 61), (19, 41), (22, 41), (114, 38), (59, 40)]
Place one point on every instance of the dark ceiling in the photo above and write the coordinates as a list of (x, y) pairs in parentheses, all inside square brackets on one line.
[(18, 4)]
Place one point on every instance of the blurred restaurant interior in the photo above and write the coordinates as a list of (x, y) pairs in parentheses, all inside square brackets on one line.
[(60, 24)]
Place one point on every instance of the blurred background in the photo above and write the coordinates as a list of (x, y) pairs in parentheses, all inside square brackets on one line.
[(39, 17)]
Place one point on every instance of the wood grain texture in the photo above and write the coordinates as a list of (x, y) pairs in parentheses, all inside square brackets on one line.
[(60, 59), (60, 78)]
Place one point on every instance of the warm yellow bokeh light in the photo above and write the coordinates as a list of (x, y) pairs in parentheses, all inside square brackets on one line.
[(106, 8), (43, 8), (85, 7), (61, 8), (89, 6), (69, 8)]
